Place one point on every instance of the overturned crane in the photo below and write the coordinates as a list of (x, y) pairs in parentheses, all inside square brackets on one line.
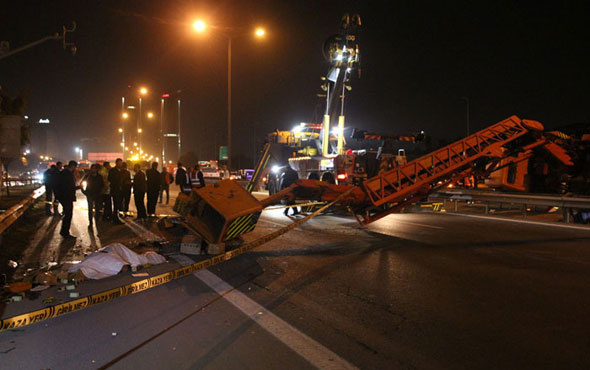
[(225, 211)]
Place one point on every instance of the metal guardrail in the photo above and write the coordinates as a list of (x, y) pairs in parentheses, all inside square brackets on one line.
[(566, 203), (13, 213)]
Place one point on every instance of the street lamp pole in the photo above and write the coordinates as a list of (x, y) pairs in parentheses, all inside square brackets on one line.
[(179, 148), (466, 99), (123, 122), (229, 103), (162, 132), (139, 122)]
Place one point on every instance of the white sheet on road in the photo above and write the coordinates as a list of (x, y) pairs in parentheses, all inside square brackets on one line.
[(109, 261)]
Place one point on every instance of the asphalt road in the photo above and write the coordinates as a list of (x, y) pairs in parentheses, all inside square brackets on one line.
[(425, 291)]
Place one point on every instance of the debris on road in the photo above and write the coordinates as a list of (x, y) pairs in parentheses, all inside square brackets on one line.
[(40, 288), (191, 244), (18, 287), (109, 261), (50, 300)]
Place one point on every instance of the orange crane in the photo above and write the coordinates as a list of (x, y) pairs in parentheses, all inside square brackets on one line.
[(225, 211)]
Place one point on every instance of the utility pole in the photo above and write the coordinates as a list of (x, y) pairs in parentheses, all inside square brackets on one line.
[(162, 138), (179, 147), (466, 99)]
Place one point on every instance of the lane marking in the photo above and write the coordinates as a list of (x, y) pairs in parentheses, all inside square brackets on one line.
[(306, 347), (418, 224), (539, 223)]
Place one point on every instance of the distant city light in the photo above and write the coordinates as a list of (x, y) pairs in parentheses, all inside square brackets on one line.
[(259, 32), (42, 120), (165, 95), (26, 117), (150, 115), (125, 115), (143, 91)]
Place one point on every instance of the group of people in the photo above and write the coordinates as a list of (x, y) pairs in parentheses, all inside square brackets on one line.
[(107, 189)]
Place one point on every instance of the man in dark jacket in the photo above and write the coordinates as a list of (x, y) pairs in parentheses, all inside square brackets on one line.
[(165, 184), (197, 178), (126, 188), (50, 179), (139, 188), (288, 178), (66, 194), (92, 188), (181, 179), (116, 182), (153, 188)]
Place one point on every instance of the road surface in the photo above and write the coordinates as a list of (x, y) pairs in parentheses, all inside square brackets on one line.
[(425, 291)]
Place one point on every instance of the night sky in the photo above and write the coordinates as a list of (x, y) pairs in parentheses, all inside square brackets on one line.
[(418, 60)]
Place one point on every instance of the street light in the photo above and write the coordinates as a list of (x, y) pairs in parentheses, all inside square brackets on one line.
[(139, 131), (199, 25), (150, 115), (259, 32), (80, 151), (125, 115)]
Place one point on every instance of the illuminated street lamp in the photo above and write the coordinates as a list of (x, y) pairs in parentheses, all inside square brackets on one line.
[(139, 131), (150, 115), (199, 26), (79, 151)]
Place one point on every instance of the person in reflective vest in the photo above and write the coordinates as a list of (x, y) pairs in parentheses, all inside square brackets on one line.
[(197, 178)]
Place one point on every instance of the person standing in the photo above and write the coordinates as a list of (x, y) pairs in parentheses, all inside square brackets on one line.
[(288, 178), (139, 189), (182, 179), (126, 187), (50, 178), (153, 188), (106, 205), (197, 178), (66, 194), (165, 185), (92, 188), (116, 182)]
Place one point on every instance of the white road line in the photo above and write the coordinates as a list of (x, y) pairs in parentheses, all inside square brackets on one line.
[(417, 224), (306, 347), (539, 223)]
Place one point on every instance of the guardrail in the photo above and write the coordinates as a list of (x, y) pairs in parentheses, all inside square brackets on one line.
[(566, 203), (13, 213)]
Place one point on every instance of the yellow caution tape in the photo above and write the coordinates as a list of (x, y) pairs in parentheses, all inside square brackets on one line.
[(295, 205), (50, 312)]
